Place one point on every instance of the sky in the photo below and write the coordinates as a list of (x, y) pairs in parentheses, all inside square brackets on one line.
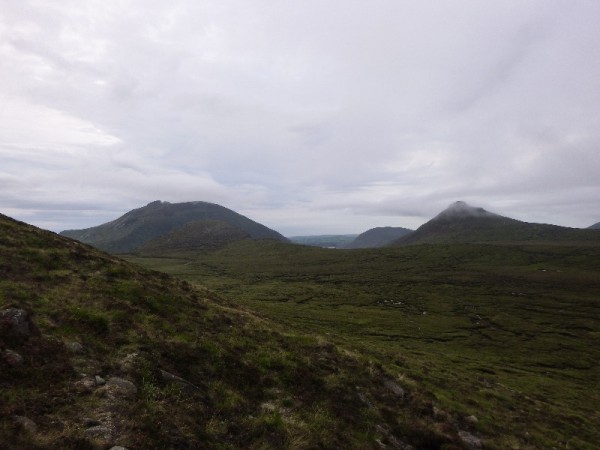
[(311, 117)]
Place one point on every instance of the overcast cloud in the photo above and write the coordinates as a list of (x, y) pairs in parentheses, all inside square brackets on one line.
[(308, 116)]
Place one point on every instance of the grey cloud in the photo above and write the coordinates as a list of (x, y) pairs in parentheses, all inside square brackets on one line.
[(341, 115)]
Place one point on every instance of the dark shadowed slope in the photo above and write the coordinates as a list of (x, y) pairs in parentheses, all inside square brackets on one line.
[(596, 226), (202, 235), (461, 223), (132, 230), (378, 237)]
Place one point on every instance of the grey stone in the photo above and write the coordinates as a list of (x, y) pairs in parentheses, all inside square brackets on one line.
[(129, 362), (16, 325), (12, 358), (15, 322), (394, 387), (100, 432), (99, 380), (472, 420), (469, 440), (121, 387), (86, 384), (74, 347)]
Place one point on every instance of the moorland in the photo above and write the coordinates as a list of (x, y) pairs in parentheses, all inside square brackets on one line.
[(506, 333)]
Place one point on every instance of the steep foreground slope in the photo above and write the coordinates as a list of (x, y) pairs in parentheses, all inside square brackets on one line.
[(96, 352), (139, 226), (462, 223)]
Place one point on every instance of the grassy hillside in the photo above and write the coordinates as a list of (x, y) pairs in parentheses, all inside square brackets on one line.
[(136, 228), (378, 237), (96, 352), (509, 334)]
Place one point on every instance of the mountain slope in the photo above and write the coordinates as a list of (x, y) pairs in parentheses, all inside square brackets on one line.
[(378, 237), (141, 225), (596, 226), (96, 352), (192, 237), (461, 223)]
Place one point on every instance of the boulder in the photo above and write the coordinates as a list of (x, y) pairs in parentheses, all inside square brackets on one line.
[(120, 387), (16, 325)]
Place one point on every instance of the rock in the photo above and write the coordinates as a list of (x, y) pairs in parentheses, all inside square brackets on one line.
[(129, 362), (100, 432), (394, 387), (86, 384), (469, 440), (471, 420), (16, 325), (99, 380), (74, 347), (26, 424), (12, 358), (120, 387)]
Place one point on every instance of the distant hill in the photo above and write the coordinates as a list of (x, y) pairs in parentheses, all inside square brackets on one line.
[(596, 226), (378, 237), (462, 223), (194, 236), (324, 240), (139, 226)]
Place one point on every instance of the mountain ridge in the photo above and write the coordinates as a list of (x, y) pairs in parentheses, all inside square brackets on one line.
[(462, 223), (138, 226)]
